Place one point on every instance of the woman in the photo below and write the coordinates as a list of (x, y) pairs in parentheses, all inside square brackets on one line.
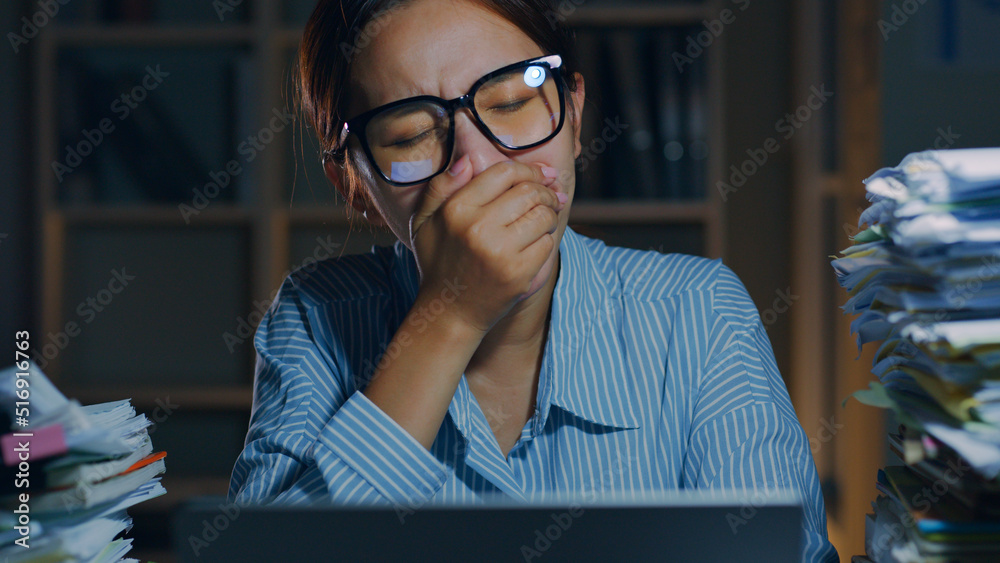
[(492, 348)]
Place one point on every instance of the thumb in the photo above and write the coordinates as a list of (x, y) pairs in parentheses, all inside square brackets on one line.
[(441, 187)]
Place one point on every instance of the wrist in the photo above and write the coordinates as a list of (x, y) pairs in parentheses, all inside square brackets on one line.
[(443, 318)]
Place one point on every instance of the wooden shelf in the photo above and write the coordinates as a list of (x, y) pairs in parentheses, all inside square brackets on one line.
[(159, 214), (193, 398), (335, 214), (832, 184), (640, 14), (155, 36), (288, 37), (181, 488)]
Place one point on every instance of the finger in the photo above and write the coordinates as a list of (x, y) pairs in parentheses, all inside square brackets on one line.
[(536, 223), (539, 250), (439, 189), (521, 199), (497, 179)]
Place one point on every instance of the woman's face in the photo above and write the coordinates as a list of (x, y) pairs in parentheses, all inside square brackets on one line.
[(440, 48)]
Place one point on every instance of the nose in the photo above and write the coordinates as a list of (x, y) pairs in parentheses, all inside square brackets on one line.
[(471, 140)]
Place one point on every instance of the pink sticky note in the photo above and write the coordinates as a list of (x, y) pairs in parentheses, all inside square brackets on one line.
[(42, 443)]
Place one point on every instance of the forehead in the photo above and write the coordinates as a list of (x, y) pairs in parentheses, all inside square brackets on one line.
[(436, 47)]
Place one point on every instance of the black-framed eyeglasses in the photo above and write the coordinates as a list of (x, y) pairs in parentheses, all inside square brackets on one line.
[(410, 141)]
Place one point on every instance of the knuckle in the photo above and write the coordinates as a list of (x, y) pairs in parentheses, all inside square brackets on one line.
[(544, 213), (529, 193), (475, 231), (494, 253), (511, 170), (449, 213), (509, 273), (515, 220)]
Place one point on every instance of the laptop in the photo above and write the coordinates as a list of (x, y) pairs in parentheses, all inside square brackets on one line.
[(751, 526)]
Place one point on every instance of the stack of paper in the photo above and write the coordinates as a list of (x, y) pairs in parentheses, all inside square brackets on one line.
[(69, 472), (924, 277)]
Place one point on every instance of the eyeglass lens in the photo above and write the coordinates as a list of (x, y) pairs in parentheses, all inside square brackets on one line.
[(409, 143)]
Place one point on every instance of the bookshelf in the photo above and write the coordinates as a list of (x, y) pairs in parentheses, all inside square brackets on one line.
[(201, 277), (837, 44)]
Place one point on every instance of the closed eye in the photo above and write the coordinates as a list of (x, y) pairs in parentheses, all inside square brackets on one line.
[(511, 107), (405, 143)]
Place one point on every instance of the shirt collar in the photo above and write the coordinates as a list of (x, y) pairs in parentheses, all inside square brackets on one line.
[(583, 367), (587, 375)]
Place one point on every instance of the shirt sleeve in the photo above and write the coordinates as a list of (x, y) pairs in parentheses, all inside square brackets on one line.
[(744, 433), (312, 436)]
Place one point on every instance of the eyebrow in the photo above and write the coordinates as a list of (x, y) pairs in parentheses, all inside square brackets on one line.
[(404, 110)]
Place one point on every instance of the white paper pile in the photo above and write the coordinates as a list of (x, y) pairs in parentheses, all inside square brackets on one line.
[(85, 466), (924, 277)]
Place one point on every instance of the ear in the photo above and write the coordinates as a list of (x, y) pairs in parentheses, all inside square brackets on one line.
[(337, 176), (578, 98)]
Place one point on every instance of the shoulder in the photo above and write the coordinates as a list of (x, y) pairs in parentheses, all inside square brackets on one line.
[(652, 275), (325, 314), (314, 296), (342, 278)]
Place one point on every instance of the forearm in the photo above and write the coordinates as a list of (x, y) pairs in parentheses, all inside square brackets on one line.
[(359, 455), (415, 386), (313, 436)]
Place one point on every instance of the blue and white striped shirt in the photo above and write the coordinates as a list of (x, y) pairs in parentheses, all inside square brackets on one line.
[(656, 374)]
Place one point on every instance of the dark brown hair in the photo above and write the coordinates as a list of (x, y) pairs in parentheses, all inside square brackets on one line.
[(338, 29)]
